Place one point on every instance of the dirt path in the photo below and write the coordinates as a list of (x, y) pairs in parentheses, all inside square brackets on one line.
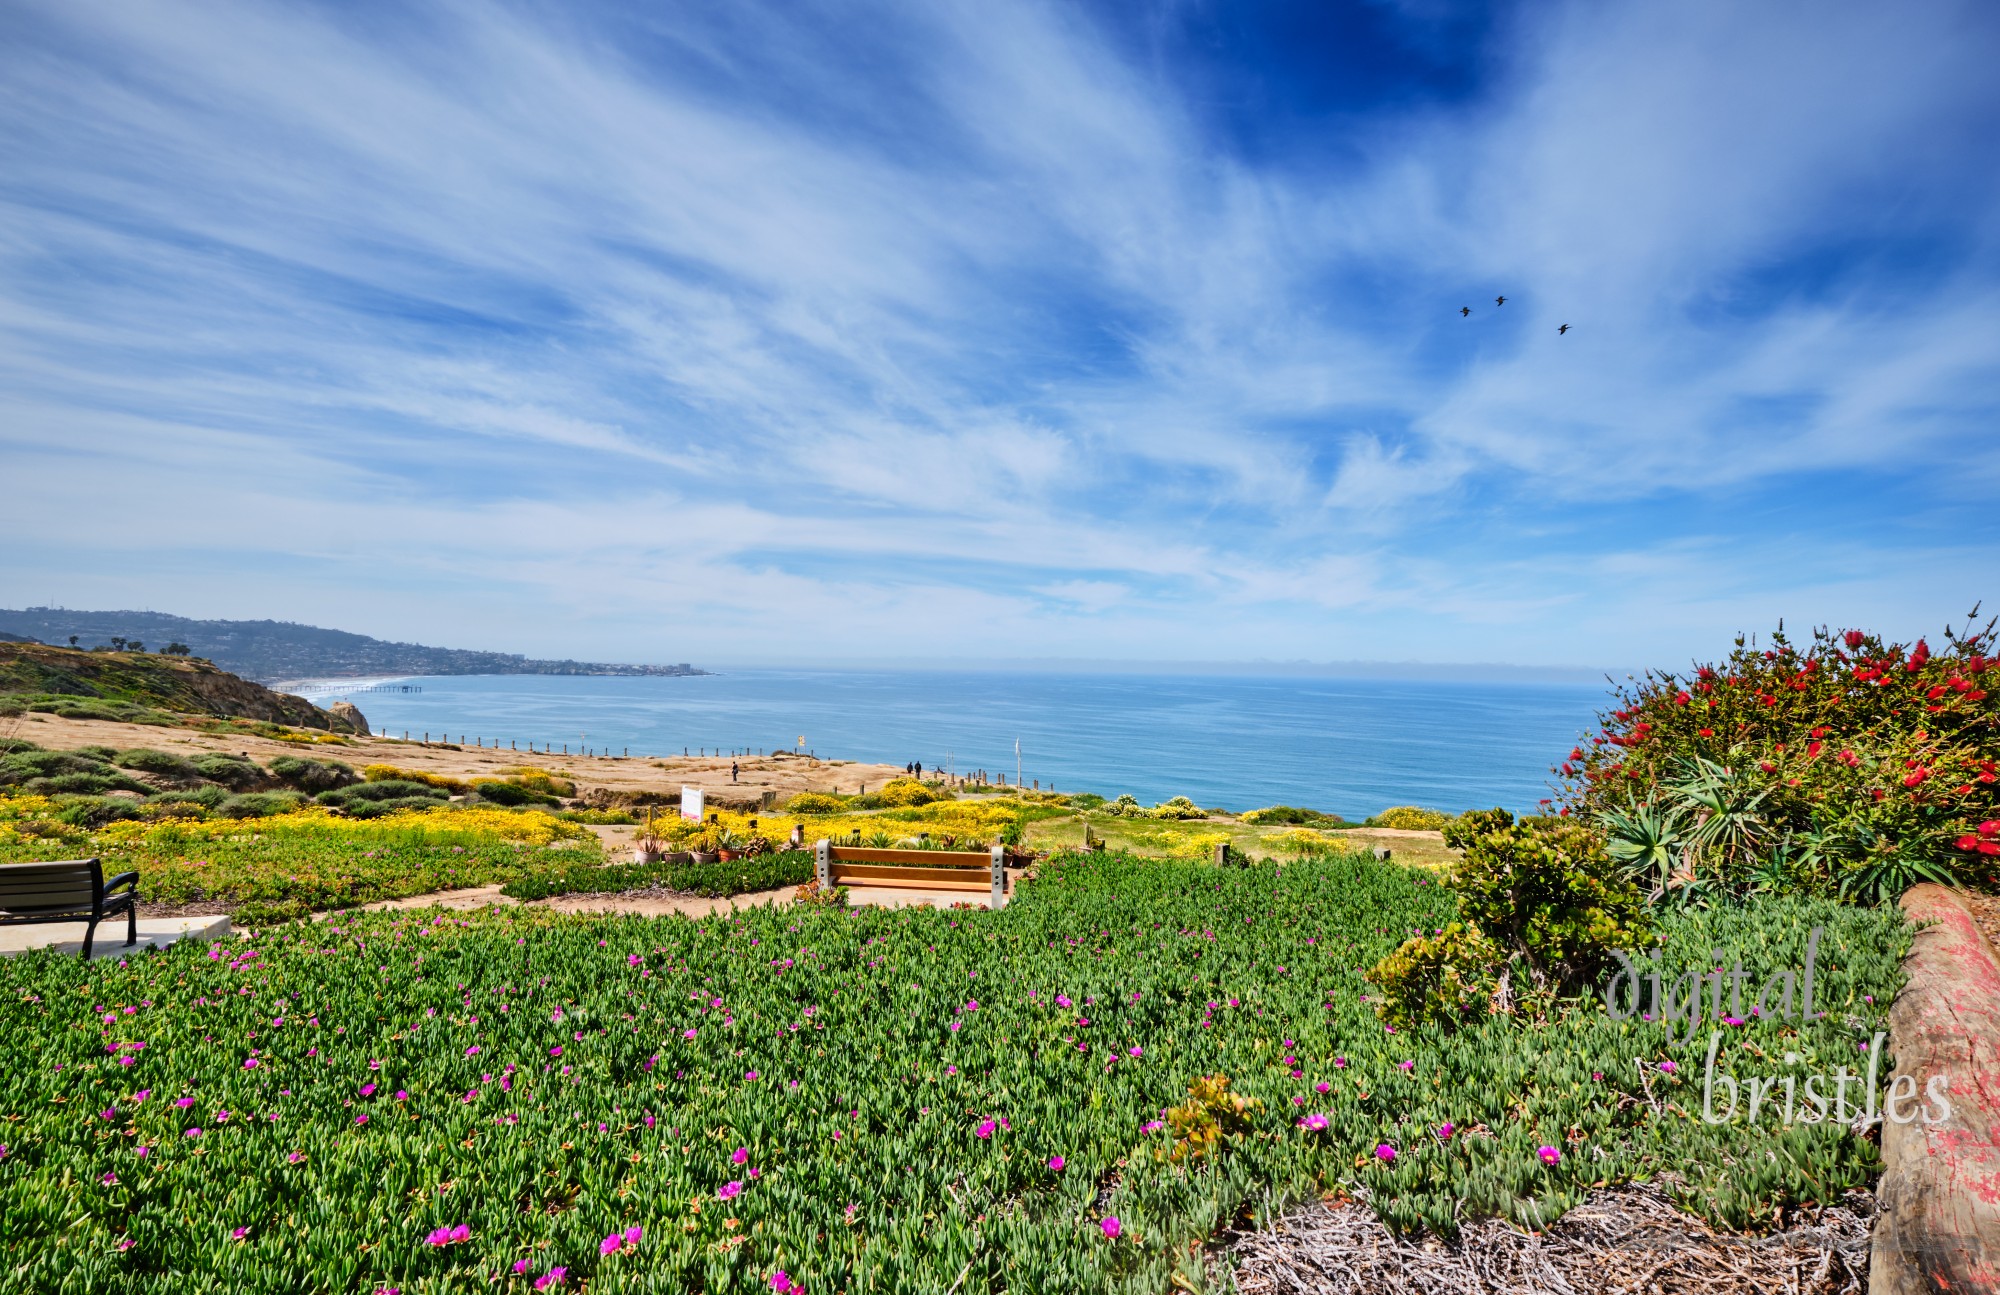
[(474, 756)]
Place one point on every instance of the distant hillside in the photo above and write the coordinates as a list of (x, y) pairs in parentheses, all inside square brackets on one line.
[(271, 650), (33, 674)]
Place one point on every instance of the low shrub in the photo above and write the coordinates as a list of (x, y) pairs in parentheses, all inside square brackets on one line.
[(1083, 800), (1546, 891), (1446, 978), (1179, 808), (815, 802), (161, 764), (386, 789), (94, 811), (714, 880), (598, 817), (390, 773), (906, 793), (1292, 815), (1410, 818), (511, 793), (204, 797), (311, 776), (260, 804), (238, 773), (96, 782)]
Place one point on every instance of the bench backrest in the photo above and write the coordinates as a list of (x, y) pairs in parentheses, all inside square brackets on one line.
[(852, 865), (68, 885)]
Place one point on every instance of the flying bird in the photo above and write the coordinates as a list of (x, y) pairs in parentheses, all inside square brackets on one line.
[(1465, 310), (1562, 330), (1499, 301)]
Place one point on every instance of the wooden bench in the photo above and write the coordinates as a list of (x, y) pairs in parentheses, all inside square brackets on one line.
[(971, 870), (71, 890)]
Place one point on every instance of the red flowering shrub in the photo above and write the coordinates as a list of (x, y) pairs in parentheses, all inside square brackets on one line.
[(1847, 765)]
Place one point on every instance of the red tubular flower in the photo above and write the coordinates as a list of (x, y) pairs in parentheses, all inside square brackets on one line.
[(1855, 638), (1966, 843), (1916, 777), (1990, 828)]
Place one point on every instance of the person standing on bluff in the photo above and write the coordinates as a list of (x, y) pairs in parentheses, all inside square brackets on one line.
[(732, 771)]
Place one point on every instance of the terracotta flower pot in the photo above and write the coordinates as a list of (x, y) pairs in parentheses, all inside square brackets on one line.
[(729, 856)]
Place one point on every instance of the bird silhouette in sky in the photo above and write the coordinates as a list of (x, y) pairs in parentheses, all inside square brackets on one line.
[(1465, 310), (1499, 301), (1562, 330)]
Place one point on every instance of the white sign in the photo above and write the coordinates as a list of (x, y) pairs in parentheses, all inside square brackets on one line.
[(691, 803)]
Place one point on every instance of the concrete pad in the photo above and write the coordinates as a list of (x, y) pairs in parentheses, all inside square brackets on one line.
[(154, 933)]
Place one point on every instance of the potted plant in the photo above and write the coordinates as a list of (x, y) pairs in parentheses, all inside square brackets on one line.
[(728, 845)]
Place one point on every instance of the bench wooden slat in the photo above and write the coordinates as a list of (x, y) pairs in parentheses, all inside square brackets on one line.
[(935, 878), (918, 858)]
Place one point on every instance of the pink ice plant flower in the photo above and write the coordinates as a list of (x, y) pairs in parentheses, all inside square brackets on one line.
[(729, 1190), (1550, 1156), (1111, 1227), (1056, 1163), (1385, 1153)]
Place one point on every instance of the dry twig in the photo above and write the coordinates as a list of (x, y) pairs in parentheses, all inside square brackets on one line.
[(1626, 1241)]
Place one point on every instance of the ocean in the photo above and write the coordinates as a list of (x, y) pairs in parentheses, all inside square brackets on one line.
[(1350, 746)]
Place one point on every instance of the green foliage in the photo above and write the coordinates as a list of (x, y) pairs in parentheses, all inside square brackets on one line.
[(1210, 1120), (311, 776), (238, 773), (260, 804), (387, 789), (1085, 800), (737, 877), (1545, 890), (541, 1166), (1848, 766), (1291, 814), (1410, 818), (87, 811), (815, 802), (162, 764), (1179, 808), (1446, 978), (512, 794)]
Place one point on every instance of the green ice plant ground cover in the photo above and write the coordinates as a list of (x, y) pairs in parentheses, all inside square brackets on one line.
[(865, 1100)]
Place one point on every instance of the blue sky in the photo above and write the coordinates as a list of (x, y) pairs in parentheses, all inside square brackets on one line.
[(737, 332)]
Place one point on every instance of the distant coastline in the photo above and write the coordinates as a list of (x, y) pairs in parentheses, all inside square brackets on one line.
[(266, 651)]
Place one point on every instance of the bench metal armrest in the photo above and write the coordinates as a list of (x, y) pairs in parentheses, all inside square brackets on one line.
[(130, 880)]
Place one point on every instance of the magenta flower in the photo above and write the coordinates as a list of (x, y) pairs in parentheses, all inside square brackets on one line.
[(1445, 1131), (556, 1051), (1385, 1153), (1314, 1123), (192, 1133), (520, 1267), (1340, 1063), (729, 1190), (441, 1237), (294, 1157), (249, 1063), (1137, 1051), (611, 1244), (1111, 1227), (1152, 1126), (109, 1179), (1668, 1067), (687, 1034), (553, 1277), (367, 1090), (239, 1234), (1550, 1156), (985, 1129), (184, 1102), (740, 1156), (361, 1119), (1056, 1163), (633, 1233)]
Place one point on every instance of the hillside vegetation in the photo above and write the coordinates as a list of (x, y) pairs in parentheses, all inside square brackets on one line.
[(124, 685)]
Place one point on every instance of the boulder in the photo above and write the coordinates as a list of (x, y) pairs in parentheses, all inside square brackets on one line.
[(346, 712)]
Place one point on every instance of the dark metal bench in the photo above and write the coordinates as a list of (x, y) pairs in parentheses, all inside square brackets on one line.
[(71, 890)]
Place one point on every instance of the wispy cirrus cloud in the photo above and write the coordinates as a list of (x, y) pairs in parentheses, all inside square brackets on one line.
[(949, 324)]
